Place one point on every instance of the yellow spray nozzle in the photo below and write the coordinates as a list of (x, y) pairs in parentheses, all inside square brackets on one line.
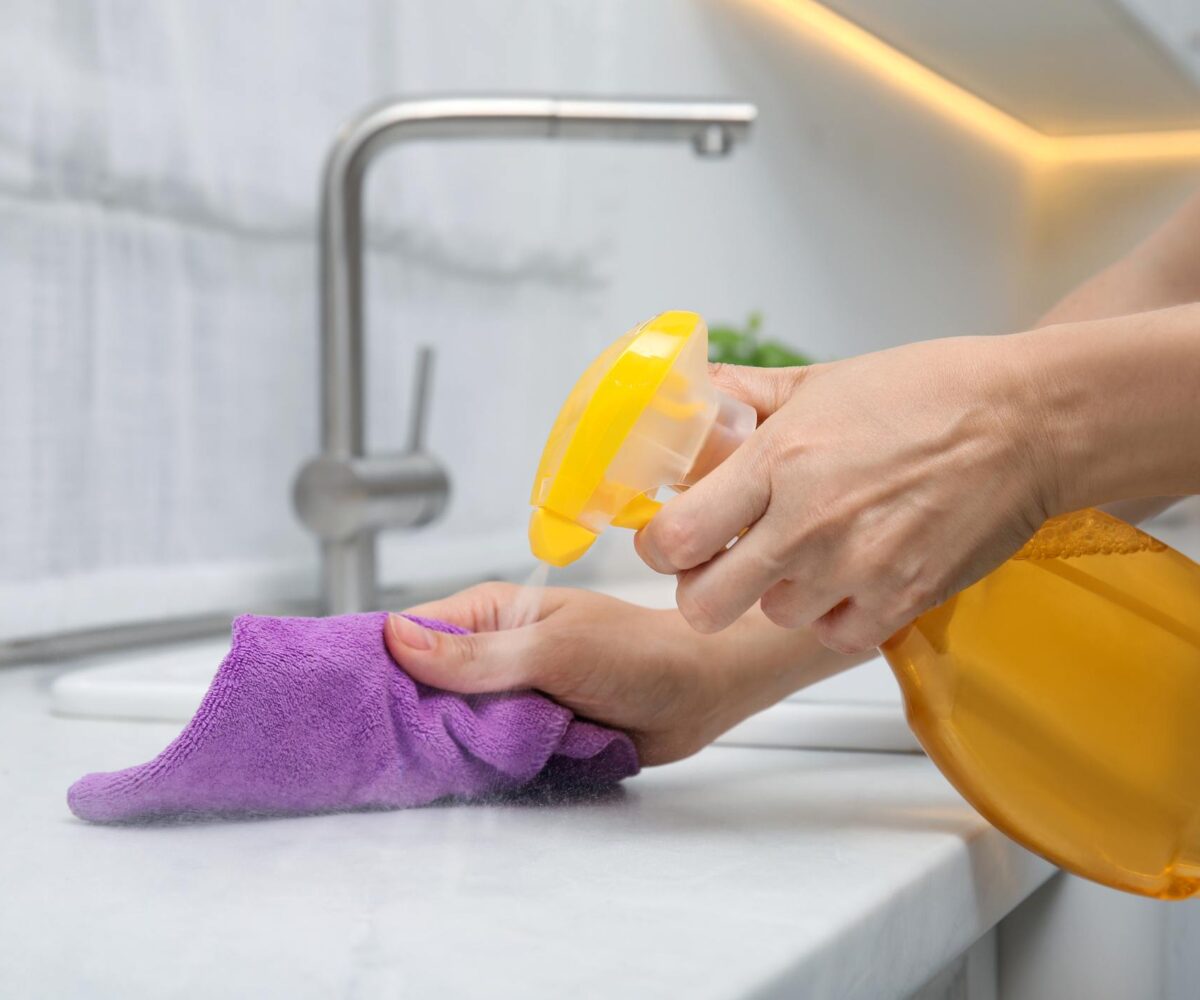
[(638, 419), (556, 539)]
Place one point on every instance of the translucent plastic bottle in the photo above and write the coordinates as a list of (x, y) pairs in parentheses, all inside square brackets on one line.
[(1061, 696)]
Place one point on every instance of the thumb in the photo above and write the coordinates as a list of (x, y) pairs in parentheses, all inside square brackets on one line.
[(475, 663), (766, 389)]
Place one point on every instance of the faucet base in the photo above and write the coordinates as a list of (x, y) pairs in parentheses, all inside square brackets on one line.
[(348, 575)]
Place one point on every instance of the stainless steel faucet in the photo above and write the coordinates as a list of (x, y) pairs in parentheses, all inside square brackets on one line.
[(345, 496)]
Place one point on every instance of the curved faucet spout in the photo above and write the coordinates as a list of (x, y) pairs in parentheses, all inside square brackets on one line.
[(711, 127)]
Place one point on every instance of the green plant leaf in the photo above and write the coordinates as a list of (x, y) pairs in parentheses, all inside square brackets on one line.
[(730, 347), (733, 346)]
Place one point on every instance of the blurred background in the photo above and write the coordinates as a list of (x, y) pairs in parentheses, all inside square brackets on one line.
[(918, 169)]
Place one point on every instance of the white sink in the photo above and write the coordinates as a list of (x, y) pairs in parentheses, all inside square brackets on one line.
[(858, 710), (163, 684)]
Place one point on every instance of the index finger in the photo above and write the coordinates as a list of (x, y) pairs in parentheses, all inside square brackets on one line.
[(697, 525)]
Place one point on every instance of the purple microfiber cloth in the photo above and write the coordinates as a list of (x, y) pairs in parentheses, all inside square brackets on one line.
[(313, 715)]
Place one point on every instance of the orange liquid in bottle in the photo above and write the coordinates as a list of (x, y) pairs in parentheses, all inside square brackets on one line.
[(1061, 696)]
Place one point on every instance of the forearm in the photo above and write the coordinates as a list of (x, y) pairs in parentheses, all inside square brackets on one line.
[(1119, 406), (1162, 271)]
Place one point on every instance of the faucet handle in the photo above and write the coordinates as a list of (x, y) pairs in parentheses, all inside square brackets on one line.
[(418, 414)]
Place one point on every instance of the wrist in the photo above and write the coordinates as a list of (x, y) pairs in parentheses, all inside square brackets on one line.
[(761, 664), (1047, 416), (1115, 407)]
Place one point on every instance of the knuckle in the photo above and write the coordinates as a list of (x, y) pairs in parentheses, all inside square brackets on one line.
[(903, 588), (919, 596), (677, 541), (889, 627), (782, 607), (777, 616), (486, 601), (466, 649), (698, 610), (845, 637), (782, 560), (489, 590)]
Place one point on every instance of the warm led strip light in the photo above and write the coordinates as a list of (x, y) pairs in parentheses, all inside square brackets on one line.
[(906, 74)]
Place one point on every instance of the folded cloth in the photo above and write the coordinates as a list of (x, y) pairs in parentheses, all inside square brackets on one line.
[(313, 714)]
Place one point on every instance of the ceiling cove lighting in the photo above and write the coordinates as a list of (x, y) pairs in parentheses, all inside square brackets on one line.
[(971, 112)]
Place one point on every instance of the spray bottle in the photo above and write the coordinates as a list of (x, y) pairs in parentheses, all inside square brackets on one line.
[(1060, 694)]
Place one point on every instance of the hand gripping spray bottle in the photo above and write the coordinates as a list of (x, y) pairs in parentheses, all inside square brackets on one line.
[(1060, 694)]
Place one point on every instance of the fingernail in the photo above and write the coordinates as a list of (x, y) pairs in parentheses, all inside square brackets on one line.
[(409, 633)]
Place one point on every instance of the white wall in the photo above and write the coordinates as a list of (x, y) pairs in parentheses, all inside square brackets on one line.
[(158, 168), (1084, 215)]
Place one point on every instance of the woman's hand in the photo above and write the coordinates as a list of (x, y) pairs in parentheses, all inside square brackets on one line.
[(873, 489), (646, 672), (639, 670)]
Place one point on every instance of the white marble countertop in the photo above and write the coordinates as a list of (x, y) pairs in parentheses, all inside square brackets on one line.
[(739, 872)]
